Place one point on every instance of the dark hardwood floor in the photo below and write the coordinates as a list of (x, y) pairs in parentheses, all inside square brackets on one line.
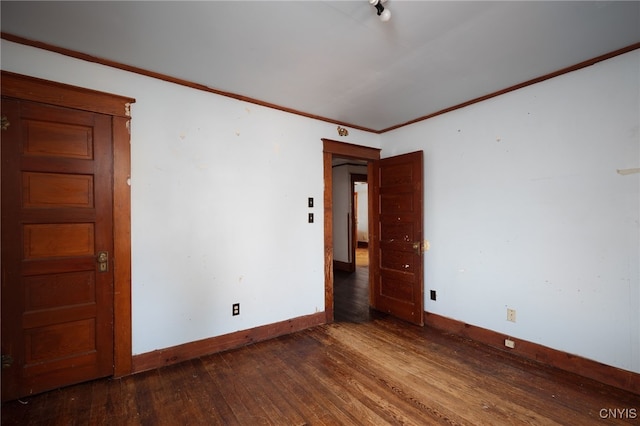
[(365, 369), (351, 292)]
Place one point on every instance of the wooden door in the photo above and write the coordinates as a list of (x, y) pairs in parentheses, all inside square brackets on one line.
[(397, 237), (57, 215)]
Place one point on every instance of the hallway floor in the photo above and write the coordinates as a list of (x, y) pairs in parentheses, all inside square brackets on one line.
[(351, 291)]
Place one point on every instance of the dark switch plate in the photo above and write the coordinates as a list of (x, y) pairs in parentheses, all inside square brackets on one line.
[(310, 201), (310, 217)]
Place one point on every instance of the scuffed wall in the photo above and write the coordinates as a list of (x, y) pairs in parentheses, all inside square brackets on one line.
[(219, 204), (525, 209)]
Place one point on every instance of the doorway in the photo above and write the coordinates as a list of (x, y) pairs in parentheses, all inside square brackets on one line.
[(396, 279), (360, 225), (333, 150), (351, 276)]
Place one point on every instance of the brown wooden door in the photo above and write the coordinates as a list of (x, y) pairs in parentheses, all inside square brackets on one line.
[(57, 215), (397, 237)]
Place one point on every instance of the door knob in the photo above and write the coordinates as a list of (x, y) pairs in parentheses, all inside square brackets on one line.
[(103, 261)]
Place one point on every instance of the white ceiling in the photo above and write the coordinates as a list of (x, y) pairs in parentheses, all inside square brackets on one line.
[(336, 59)]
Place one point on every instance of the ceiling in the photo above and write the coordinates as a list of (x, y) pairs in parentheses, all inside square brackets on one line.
[(336, 59)]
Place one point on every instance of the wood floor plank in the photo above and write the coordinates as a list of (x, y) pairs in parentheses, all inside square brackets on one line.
[(102, 403), (381, 397), (318, 407), (378, 372), (127, 411), (270, 383), (252, 397), (540, 386), (184, 386), (223, 380), (76, 405), (344, 398), (470, 394), (283, 391), (263, 391), (212, 394), (23, 412), (150, 399), (388, 393)]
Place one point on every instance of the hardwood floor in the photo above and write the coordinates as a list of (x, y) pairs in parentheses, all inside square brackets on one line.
[(351, 292), (361, 371)]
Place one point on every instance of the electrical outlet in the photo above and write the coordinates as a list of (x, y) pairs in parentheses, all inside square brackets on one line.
[(509, 343), (235, 309), (432, 294), (511, 315)]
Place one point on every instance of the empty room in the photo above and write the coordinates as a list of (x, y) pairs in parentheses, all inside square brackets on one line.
[(320, 212)]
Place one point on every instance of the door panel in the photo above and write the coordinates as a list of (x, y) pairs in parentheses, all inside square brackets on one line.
[(64, 140), (57, 190), (58, 240), (397, 263), (57, 214)]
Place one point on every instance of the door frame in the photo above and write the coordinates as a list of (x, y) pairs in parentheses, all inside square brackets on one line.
[(330, 149), (27, 88)]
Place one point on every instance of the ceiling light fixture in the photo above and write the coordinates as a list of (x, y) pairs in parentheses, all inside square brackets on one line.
[(384, 14)]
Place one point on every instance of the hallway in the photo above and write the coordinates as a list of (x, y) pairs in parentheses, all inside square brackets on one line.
[(351, 291)]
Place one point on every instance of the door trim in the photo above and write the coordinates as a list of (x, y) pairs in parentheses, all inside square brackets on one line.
[(343, 150), (118, 107)]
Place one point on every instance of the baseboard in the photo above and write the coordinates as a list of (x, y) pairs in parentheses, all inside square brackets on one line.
[(175, 354), (603, 373), (363, 244), (343, 266)]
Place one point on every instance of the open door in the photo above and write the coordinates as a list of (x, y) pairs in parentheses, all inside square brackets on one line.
[(397, 237)]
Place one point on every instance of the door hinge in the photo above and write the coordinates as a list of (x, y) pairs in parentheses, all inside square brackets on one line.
[(4, 123), (417, 248), (7, 361)]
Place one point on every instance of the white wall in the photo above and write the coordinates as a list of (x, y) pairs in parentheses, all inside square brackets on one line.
[(362, 214), (219, 204), (524, 209)]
